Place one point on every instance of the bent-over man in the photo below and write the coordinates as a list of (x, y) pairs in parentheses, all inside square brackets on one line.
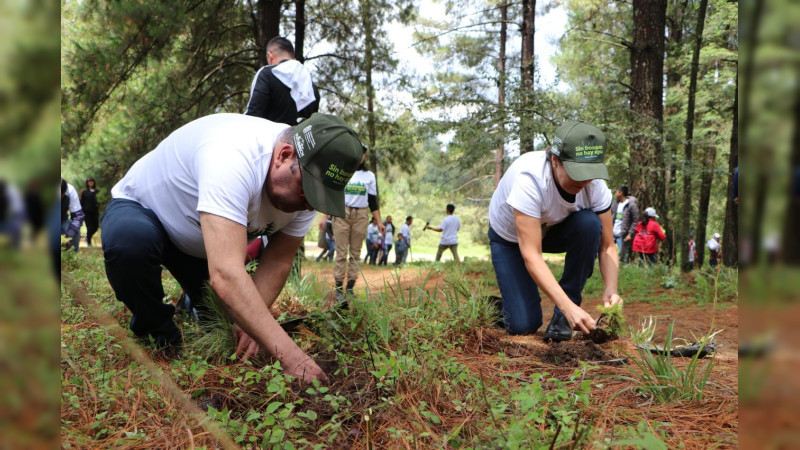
[(191, 204)]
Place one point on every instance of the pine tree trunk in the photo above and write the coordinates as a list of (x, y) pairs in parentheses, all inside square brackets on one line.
[(501, 95), (526, 75), (791, 226), (730, 235), (686, 204), (299, 29), (705, 199), (268, 22), (676, 17), (647, 71), (754, 208)]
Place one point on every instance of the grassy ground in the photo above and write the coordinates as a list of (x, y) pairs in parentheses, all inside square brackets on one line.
[(415, 362)]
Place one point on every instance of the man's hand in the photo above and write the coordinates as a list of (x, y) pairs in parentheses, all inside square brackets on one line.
[(307, 371), (246, 347), (611, 299), (382, 227), (579, 320)]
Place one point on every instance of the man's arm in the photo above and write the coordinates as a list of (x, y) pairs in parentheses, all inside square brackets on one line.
[(225, 243), (608, 260), (529, 232)]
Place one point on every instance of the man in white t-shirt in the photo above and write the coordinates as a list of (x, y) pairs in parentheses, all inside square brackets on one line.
[(449, 229), (191, 204), (713, 250), (350, 230), (554, 201)]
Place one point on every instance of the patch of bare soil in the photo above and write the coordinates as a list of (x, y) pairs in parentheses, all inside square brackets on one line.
[(571, 353)]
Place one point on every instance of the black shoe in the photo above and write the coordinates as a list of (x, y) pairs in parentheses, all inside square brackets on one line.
[(558, 330), (350, 284)]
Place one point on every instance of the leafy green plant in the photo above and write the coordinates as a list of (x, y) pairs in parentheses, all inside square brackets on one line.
[(658, 376), (613, 319)]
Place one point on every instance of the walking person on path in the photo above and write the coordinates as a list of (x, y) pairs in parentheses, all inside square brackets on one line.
[(648, 232), (388, 237), (449, 229), (554, 201), (626, 216), (72, 214), (349, 231), (403, 242), (91, 208), (713, 250)]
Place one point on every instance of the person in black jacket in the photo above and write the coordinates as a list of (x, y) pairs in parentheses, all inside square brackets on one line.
[(91, 209), (282, 91)]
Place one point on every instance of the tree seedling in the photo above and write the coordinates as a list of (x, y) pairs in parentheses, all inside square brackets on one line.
[(609, 325)]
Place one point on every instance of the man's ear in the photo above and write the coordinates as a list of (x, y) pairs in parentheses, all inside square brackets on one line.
[(285, 154)]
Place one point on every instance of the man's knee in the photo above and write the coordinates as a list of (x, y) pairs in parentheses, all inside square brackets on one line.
[(520, 325)]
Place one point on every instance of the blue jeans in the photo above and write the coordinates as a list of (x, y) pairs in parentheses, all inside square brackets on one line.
[(76, 240), (578, 235), (385, 257), (135, 246), (331, 248), (618, 240)]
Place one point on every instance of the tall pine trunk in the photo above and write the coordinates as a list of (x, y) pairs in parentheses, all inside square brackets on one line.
[(299, 29), (501, 95), (730, 235), (526, 75), (688, 139), (267, 21), (705, 199), (647, 72), (791, 225), (676, 18)]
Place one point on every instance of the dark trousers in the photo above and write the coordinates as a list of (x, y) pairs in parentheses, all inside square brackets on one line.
[(385, 256), (135, 246), (578, 235), (649, 257), (92, 222)]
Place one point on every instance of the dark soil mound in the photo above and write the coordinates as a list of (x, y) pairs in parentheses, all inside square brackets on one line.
[(570, 352)]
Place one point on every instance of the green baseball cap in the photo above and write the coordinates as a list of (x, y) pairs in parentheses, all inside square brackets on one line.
[(581, 147), (329, 153)]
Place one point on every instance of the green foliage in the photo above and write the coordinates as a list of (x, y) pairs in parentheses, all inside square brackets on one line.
[(214, 341), (658, 376), (614, 319)]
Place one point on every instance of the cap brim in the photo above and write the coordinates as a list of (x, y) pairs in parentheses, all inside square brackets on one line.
[(322, 198), (586, 171)]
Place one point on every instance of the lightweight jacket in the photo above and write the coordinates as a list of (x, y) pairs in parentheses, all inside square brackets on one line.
[(630, 215), (272, 100), (645, 239)]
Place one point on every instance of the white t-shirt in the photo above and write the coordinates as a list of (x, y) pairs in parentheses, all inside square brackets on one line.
[(618, 218), (74, 200), (362, 183), (216, 164), (405, 230), (450, 226), (373, 232), (528, 186), (692, 245), (713, 245), (389, 235)]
